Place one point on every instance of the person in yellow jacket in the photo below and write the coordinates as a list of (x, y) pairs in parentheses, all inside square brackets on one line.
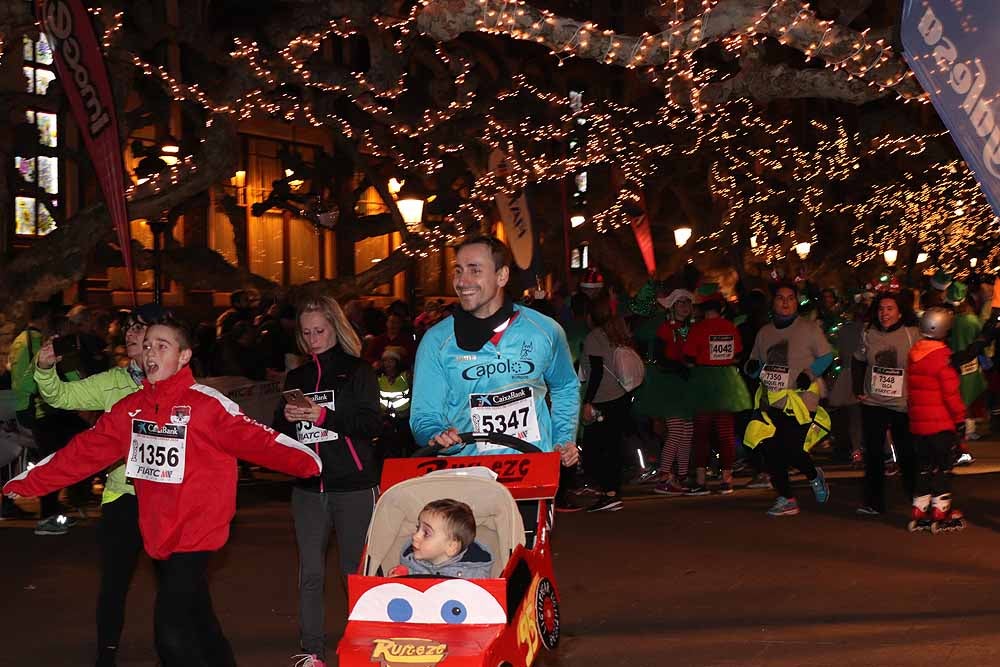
[(789, 356), (395, 389), (118, 533)]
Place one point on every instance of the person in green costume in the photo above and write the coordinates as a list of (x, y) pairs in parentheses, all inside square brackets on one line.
[(964, 331)]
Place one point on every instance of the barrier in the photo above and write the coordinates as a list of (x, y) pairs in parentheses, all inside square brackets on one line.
[(257, 399)]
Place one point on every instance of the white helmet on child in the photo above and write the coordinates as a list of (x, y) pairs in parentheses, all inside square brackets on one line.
[(936, 322)]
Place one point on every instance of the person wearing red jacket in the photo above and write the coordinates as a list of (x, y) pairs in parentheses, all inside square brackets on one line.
[(937, 417), (180, 441)]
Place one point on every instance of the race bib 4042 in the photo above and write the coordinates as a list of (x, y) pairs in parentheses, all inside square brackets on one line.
[(721, 348), (510, 412), (157, 453)]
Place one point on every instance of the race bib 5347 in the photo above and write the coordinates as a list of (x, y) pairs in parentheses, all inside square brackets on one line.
[(510, 412)]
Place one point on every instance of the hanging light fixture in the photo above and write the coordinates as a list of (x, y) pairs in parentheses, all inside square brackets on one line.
[(973, 261), (170, 150), (577, 219), (921, 257), (802, 249), (682, 235), (410, 202), (890, 256)]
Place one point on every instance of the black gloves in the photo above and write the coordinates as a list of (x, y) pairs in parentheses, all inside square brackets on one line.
[(803, 381)]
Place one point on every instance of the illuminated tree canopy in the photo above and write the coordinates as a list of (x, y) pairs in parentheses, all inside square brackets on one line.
[(756, 122)]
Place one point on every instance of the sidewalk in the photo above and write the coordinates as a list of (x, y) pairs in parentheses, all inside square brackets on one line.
[(985, 451)]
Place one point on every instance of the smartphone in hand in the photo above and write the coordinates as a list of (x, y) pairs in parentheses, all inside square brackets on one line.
[(297, 398), (65, 345)]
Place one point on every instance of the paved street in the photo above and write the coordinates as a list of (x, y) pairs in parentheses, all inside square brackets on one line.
[(700, 581)]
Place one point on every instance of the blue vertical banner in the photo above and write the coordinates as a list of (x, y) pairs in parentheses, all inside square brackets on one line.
[(953, 47)]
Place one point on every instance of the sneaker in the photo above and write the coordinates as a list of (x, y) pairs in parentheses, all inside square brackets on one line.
[(606, 504), (725, 489), (740, 467), (964, 459), (308, 660), (697, 490), (973, 436), (867, 510), (566, 506), (891, 469), (669, 488), (760, 481), (57, 524), (820, 488), (784, 507)]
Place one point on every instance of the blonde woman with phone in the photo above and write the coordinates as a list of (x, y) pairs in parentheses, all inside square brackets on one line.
[(331, 404)]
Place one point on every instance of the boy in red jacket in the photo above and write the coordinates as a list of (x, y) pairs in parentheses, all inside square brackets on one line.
[(937, 418), (180, 441)]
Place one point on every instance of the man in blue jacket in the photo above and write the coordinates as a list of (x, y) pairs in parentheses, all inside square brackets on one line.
[(491, 366)]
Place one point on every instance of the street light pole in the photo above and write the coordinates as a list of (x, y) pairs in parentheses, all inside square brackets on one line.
[(159, 227)]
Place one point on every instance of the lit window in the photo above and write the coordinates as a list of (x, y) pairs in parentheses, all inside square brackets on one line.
[(36, 200)]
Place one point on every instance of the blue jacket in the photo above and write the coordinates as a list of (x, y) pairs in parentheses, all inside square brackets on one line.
[(473, 563), (532, 358)]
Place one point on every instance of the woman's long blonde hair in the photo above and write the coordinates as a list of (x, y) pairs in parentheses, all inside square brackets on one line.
[(331, 311)]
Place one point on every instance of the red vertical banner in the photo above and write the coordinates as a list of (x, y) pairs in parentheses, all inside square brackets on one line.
[(643, 235), (84, 78)]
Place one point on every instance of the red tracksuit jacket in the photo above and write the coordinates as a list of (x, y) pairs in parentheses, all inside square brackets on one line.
[(194, 514), (933, 400)]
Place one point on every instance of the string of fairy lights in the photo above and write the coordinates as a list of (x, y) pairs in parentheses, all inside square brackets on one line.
[(751, 150)]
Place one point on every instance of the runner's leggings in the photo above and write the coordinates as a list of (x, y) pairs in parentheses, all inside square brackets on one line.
[(677, 447), (934, 459), (187, 632), (876, 419), (120, 544), (602, 444), (784, 450), (722, 425)]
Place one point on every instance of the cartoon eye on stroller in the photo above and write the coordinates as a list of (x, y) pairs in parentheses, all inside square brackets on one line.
[(426, 620)]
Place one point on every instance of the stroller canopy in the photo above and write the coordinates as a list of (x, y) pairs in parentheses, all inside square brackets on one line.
[(498, 523)]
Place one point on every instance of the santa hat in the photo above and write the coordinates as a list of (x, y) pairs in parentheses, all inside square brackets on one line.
[(592, 280), (676, 296), (394, 352), (709, 293)]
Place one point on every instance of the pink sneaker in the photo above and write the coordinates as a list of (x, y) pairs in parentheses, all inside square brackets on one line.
[(308, 660)]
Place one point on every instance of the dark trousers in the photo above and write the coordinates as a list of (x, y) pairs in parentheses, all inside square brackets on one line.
[(187, 632), (784, 450), (120, 544), (876, 420), (934, 459), (52, 433), (347, 514), (602, 444), (754, 457)]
